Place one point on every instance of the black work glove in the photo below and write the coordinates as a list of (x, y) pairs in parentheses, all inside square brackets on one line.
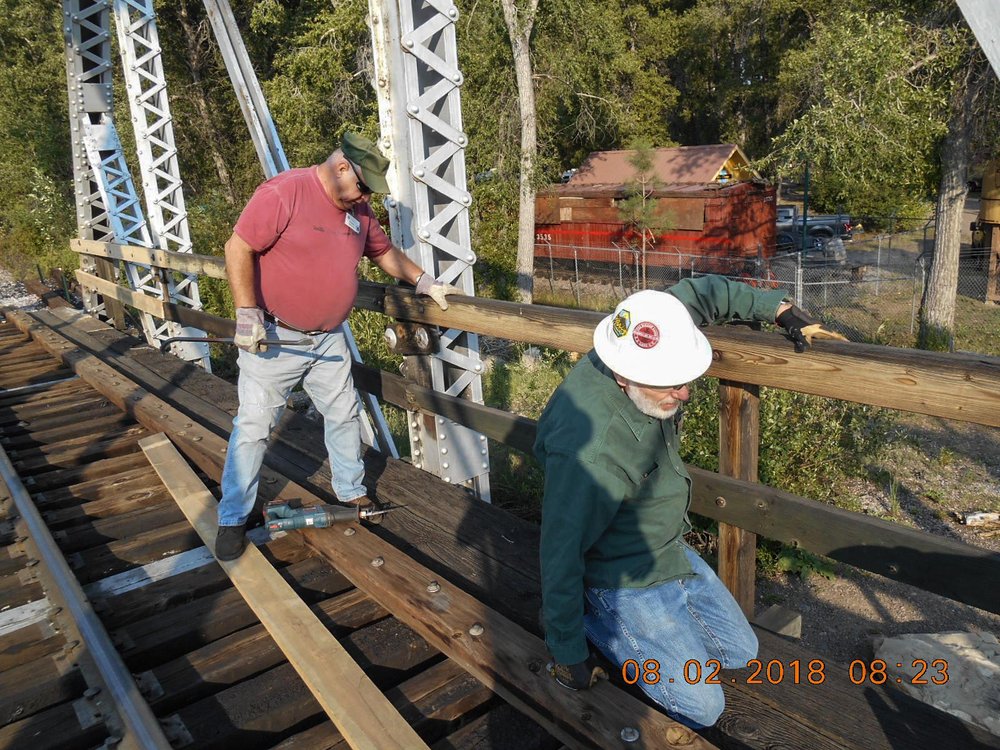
[(579, 676), (802, 329)]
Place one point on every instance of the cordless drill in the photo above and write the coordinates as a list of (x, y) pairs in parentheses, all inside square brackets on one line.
[(285, 517)]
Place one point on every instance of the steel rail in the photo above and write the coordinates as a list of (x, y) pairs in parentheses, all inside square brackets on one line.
[(135, 713)]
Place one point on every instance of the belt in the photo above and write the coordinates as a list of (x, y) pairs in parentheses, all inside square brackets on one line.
[(279, 322)]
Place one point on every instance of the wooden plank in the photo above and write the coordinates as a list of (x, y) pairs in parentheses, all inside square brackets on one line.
[(906, 379), (203, 265), (211, 324), (350, 699), (161, 636), (739, 438), (207, 450), (246, 652), (950, 568), (751, 489)]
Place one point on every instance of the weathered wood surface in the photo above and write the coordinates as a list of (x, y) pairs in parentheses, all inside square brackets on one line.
[(504, 665), (502, 545), (903, 379), (739, 438), (348, 696)]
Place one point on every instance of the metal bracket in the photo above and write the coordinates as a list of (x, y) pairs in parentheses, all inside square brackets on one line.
[(412, 338)]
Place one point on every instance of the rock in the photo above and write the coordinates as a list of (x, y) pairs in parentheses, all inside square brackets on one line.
[(961, 676), (779, 620)]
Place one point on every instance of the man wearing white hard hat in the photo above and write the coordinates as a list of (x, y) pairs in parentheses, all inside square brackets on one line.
[(615, 568)]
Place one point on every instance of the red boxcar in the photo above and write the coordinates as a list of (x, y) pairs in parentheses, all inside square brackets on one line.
[(706, 221)]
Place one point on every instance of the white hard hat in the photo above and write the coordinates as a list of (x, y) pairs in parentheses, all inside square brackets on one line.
[(651, 339)]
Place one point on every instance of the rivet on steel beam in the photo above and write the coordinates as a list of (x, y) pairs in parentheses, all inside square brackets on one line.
[(444, 451), (448, 480), (433, 587), (408, 43), (412, 109), (630, 734), (476, 630), (482, 438), (444, 465), (378, 562), (453, 12)]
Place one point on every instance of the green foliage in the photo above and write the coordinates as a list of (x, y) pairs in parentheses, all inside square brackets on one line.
[(36, 208), (865, 109), (803, 564), (806, 442)]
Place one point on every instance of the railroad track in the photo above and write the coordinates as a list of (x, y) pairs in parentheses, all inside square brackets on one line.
[(206, 670)]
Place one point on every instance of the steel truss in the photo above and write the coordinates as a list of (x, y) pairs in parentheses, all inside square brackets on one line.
[(417, 80), (108, 206)]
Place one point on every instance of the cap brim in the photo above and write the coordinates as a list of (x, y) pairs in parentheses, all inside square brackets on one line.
[(657, 370), (374, 180)]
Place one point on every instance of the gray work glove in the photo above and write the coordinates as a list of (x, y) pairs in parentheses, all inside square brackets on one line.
[(250, 329), (436, 290), (802, 329), (580, 676)]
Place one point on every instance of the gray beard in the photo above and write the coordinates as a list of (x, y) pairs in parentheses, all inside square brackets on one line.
[(647, 405)]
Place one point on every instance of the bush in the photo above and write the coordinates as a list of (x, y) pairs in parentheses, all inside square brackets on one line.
[(806, 442)]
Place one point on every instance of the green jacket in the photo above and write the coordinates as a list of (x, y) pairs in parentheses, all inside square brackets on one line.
[(616, 491)]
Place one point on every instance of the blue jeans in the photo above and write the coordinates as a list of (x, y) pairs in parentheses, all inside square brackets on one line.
[(686, 620), (265, 381)]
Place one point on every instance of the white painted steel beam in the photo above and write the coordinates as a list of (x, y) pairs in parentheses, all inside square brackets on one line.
[(983, 17), (417, 81)]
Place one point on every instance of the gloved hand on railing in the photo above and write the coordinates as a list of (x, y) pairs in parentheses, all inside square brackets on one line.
[(802, 329), (436, 290), (249, 329)]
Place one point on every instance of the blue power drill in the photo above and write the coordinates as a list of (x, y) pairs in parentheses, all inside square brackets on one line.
[(286, 517)]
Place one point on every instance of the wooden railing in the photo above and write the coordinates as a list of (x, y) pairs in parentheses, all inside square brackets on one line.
[(960, 387)]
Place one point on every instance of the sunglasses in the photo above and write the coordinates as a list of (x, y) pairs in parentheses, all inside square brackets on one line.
[(362, 187)]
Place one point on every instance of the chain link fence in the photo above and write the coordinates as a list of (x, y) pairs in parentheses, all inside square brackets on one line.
[(869, 288)]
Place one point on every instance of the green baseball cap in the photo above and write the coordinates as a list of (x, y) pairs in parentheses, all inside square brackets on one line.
[(368, 159)]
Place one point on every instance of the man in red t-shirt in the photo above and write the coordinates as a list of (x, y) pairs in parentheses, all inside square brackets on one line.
[(292, 262)]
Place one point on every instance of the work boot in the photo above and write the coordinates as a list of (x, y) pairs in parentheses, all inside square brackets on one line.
[(230, 542)]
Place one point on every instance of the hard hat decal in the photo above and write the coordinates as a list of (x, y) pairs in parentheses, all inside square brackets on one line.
[(646, 335), (621, 323)]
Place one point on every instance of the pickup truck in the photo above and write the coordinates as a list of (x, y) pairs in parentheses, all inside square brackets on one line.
[(821, 228)]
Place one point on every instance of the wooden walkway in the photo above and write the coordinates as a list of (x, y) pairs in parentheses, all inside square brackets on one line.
[(207, 667)]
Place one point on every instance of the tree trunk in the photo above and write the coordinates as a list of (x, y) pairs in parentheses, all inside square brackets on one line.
[(937, 315), (519, 25)]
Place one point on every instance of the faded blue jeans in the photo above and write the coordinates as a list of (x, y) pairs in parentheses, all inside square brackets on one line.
[(666, 626), (266, 380)]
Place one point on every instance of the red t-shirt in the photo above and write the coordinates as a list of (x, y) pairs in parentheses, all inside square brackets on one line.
[(307, 255)]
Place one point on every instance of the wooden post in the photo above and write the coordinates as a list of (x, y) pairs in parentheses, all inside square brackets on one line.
[(739, 439), (993, 274), (105, 269)]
